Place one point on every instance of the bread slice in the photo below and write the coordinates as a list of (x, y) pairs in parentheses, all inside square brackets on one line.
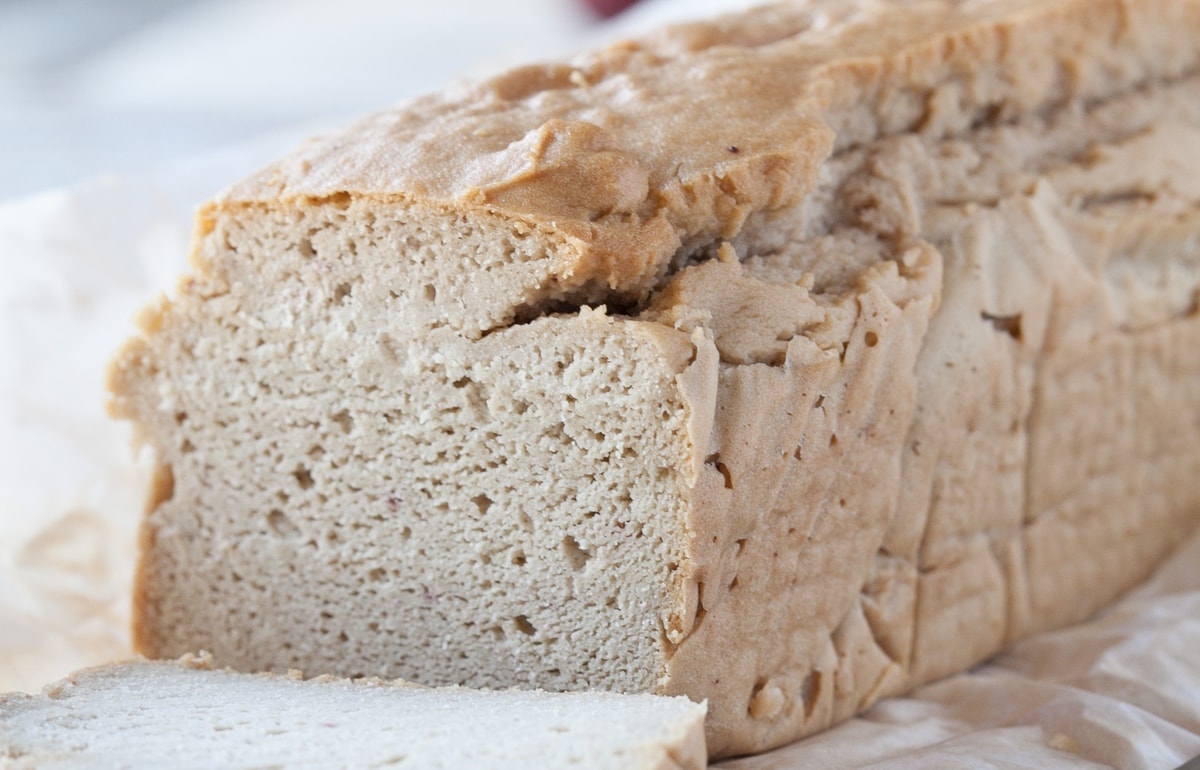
[(786, 361), (185, 714)]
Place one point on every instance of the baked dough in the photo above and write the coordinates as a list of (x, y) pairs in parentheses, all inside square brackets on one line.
[(186, 714), (788, 360)]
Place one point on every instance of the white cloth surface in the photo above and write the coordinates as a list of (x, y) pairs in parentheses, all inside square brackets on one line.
[(1120, 691)]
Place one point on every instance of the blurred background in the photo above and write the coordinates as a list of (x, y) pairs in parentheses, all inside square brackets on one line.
[(112, 86)]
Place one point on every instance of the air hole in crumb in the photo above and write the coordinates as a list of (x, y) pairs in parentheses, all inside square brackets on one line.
[(526, 522), (187, 447), (577, 556), (733, 583), (559, 728), (1009, 324), (344, 421), (741, 546), (611, 602), (406, 533), (520, 407), (303, 477), (482, 502), (180, 418), (798, 454), (281, 525), (715, 461), (377, 575), (518, 558), (430, 292), (524, 626), (342, 293), (558, 432), (462, 382), (833, 440), (343, 638), (305, 247), (871, 339)]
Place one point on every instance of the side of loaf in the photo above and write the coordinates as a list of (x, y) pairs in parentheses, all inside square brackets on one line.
[(186, 714), (788, 361)]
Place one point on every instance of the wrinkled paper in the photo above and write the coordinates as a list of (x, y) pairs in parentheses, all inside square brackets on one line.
[(1122, 690)]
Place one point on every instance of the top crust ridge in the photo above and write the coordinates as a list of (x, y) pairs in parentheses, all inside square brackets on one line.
[(598, 159)]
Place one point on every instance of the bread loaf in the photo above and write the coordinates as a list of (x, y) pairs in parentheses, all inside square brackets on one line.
[(185, 714), (787, 360)]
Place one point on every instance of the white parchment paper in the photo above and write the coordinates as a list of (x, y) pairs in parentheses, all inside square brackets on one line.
[(1120, 691)]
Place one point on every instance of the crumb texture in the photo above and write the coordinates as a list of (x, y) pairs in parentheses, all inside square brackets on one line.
[(146, 715), (786, 398)]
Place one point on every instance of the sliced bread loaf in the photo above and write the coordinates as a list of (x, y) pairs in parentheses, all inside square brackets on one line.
[(185, 714), (785, 361)]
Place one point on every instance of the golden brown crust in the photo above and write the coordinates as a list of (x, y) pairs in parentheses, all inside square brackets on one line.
[(605, 151), (144, 634), (876, 489)]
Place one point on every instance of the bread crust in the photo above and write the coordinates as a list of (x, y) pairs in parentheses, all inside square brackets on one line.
[(643, 149), (902, 277)]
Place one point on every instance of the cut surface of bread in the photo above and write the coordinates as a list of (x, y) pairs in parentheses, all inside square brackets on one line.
[(786, 361), (184, 714)]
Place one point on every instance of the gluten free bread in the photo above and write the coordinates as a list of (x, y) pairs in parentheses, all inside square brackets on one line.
[(185, 714), (788, 360)]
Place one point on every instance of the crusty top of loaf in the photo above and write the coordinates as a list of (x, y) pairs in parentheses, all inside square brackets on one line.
[(673, 140)]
